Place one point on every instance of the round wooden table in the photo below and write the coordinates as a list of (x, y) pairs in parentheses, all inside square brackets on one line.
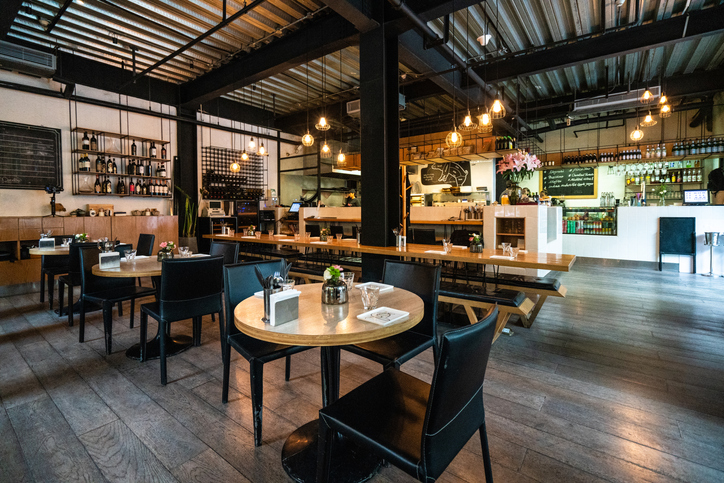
[(146, 267), (58, 250), (328, 326)]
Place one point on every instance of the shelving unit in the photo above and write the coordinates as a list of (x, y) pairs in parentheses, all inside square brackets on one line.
[(116, 148), (509, 230), (590, 221)]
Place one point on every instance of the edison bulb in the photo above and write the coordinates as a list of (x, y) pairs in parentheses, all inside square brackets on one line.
[(646, 97), (485, 119), (235, 167), (341, 158), (307, 139), (663, 99), (497, 106), (262, 150), (252, 144), (325, 148), (244, 156)]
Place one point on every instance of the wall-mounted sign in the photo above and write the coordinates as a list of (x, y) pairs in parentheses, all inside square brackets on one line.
[(456, 173), (570, 182)]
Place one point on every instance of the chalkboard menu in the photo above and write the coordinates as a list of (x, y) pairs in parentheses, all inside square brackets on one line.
[(30, 157), (455, 173), (571, 182)]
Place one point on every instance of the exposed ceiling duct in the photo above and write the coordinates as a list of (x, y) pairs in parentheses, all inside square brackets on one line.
[(25, 60), (627, 100)]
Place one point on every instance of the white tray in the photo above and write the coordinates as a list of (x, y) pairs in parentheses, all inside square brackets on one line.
[(384, 316), (384, 288)]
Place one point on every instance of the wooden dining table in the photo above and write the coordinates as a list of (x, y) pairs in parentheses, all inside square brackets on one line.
[(55, 251), (327, 326), (146, 267)]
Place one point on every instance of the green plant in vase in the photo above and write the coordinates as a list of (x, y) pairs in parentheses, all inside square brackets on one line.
[(81, 237), (324, 233), (334, 289), (476, 243), (661, 191)]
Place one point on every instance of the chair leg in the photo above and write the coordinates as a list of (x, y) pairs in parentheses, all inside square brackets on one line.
[(222, 336), (61, 292), (108, 326), (144, 326), (213, 317), (486, 454), (81, 323), (287, 368), (120, 309), (196, 331), (226, 356), (133, 312), (256, 371), (162, 333), (42, 286), (324, 451), (70, 304), (51, 289)]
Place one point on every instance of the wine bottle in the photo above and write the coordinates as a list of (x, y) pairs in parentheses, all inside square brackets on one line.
[(93, 143), (131, 167), (134, 148), (100, 164), (114, 166), (97, 185), (109, 166), (131, 188), (140, 169), (85, 143), (163, 152), (153, 150), (167, 189)]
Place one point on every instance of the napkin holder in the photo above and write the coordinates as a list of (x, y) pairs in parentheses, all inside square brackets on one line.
[(46, 243), (109, 260), (283, 307)]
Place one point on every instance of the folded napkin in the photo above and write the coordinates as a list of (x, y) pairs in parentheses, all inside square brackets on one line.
[(522, 251), (441, 252), (252, 237), (460, 246), (319, 243), (505, 257)]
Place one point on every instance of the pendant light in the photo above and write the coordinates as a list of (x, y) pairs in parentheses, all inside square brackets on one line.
[(485, 123), (341, 158), (646, 97), (307, 139), (325, 152), (244, 155), (665, 111), (262, 150), (235, 168), (468, 124), (454, 139), (497, 110), (664, 107), (323, 125), (649, 121), (637, 134)]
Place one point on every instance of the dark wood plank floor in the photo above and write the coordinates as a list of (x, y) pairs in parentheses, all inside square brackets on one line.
[(623, 380)]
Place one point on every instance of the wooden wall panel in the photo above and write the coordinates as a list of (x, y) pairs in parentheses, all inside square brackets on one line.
[(97, 227), (164, 227), (8, 228), (55, 225), (30, 227), (124, 229), (21, 271), (73, 225)]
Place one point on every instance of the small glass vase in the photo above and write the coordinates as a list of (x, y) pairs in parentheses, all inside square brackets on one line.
[(476, 248), (323, 238), (516, 192), (164, 254), (334, 292)]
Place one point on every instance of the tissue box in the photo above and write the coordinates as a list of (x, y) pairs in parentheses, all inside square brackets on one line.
[(109, 260), (283, 307)]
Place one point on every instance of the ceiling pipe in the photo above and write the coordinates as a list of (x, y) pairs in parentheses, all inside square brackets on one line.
[(449, 53)]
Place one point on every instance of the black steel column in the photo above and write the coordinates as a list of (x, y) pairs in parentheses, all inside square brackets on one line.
[(380, 141), (185, 166)]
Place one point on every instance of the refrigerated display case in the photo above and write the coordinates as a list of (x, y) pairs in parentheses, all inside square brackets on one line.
[(590, 221)]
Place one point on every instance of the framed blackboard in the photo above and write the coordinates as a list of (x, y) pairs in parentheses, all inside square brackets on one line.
[(677, 236), (30, 157), (456, 173), (570, 182)]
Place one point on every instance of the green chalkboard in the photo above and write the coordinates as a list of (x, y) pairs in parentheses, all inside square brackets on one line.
[(570, 182), (30, 157)]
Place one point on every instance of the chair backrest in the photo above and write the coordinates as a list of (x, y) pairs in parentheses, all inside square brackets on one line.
[(230, 251), (423, 236), (145, 244), (122, 248), (462, 237), (190, 287), (74, 255), (334, 229), (56, 261), (241, 282), (423, 280), (455, 407), (313, 230), (90, 283)]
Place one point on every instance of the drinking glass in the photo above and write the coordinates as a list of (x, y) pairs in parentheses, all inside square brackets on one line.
[(288, 284), (271, 233), (446, 245), (257, 235), (183, 251), (514, 251), (506, 248), (348, 278), (66, 241), (307, 235), (130, 255), (296, 236), (339, 237), (370, 295)]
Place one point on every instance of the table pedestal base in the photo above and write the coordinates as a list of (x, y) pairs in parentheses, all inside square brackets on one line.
[(174, 345), (350, 463)]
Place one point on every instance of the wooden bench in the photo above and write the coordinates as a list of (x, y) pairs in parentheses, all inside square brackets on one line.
[(474, 296)]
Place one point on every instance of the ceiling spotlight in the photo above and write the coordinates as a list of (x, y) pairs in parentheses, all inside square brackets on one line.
[(649, 121), (307, 139), (484, 39)]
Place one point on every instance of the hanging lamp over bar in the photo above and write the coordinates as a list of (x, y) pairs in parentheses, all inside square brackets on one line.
[(649, 121)]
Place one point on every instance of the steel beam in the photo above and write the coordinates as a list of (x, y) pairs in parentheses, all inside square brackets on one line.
[(60, 13), (357, 12)]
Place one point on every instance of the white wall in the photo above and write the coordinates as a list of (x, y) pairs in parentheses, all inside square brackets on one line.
[(39, 110)]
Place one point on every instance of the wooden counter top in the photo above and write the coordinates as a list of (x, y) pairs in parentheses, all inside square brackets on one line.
[(447, 222)]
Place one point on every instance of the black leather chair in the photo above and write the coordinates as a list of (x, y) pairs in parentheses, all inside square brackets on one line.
[(72, 278), (462, 237), (144, 247), (107, 292), (230, 251), (423, 236), (313, 230), (418, 427), (51, 267), (336, 230), (240, 282), (423, 280), (122, 248), (190, 289)]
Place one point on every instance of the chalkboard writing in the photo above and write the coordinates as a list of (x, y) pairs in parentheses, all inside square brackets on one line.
[(30, 157), (572, 182), (455, 174)]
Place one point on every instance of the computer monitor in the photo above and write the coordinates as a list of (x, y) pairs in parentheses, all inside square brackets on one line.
[(295, 207), (696, 197), (215, 205)]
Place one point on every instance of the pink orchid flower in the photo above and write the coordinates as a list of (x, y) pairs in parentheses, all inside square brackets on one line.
[(163, 245)]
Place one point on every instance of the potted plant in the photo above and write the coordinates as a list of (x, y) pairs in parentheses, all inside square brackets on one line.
[(81, 237), (334, 289), (188, 225), (165, 250), (476, 243), (323, 234), (515, 168)]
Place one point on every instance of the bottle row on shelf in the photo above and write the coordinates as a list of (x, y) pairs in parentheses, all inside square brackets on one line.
[(141, 187), (602, 224), (680, 176), (505, 142), (93, 144), (699, 146), (110, 166)]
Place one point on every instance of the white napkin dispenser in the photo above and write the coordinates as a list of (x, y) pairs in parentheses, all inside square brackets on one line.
[(109, 260), (283, 307)]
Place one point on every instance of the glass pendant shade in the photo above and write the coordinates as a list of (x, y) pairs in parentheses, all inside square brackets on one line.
[(665, 111), (307, 139), (637, 134), (322, 125), (649, 121), (326, 152), (235, 168), (244, 156), (497, 111), (252, 144), (454, 139), (646, 97), (341, 158), (663, 99), (262, 150), (468, 124), (485, 124)]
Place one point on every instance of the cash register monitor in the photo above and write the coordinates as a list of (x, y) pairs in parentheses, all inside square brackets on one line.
[(293, 212), (696, 197)]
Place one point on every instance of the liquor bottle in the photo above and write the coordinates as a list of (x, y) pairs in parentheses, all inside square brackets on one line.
[(134, 148), (85, 143), (109, 186), (100, 164), (81, 164), (163, 152), (153, 150), (140, 169), (679, 178), (146, 190), (115, 166), (97, 185), (109, 166), (120, 187), (673, 177), (93, 143), (131, 170), (131, 188)]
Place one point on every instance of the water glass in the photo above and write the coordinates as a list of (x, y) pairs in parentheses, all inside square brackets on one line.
[(339, 237), (370, 295), (271, 233), (307, 235), (296, 236), (348, 278), (183, 251), (66, 241), (288, 284), (446, 245), (506, 248), (257, 235), (130, 255), (514, 251)]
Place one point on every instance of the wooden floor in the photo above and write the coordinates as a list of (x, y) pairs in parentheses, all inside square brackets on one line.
[(623, 380)]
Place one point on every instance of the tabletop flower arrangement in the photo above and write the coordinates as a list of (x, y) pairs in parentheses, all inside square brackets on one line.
[(165, 250), (476, 243), (334, 289), (81, 237), (250, 231), (661, 190), (324, 233), (517, 167)]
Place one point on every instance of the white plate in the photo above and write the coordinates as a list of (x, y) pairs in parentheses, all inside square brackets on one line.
[(384, 288), (384, 316)]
